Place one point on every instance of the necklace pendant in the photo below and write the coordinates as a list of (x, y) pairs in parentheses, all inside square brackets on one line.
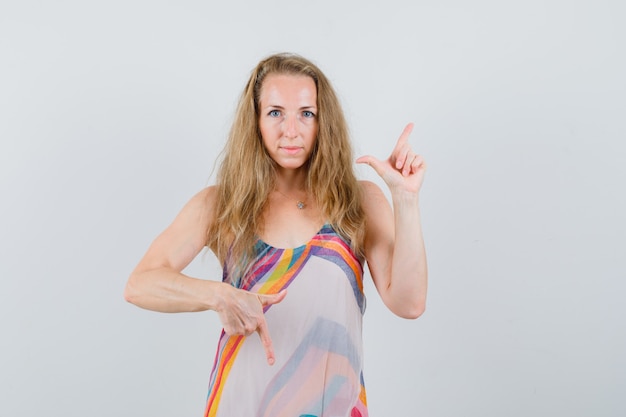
[(300, 205)]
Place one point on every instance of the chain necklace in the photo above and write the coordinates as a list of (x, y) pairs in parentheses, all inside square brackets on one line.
[(299, 203)]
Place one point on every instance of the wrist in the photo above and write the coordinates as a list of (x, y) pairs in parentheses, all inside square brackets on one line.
[(217, 295), (399, 196)]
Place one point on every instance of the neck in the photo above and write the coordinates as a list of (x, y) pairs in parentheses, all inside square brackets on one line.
[(291, 180)]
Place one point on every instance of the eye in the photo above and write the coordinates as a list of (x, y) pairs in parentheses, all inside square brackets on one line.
[(308, 114), (274, 113)]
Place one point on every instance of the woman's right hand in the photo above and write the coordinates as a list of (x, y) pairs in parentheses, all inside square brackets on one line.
[(241, 313)]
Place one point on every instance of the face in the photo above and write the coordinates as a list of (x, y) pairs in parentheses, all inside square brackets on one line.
[(288, 118)]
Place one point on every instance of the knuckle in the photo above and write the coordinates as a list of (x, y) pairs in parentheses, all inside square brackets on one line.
[(230, 331)]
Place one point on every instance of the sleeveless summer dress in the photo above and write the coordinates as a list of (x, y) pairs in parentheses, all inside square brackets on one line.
[(316, 334)]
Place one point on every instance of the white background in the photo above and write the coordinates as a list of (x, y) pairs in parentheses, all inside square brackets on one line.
[(112, 114)]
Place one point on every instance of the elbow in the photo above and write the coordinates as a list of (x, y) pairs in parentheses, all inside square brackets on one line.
[(128, 295), (410, 306), (130, 292), (413, 312)]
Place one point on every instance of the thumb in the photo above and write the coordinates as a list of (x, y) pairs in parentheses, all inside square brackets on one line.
[(373, 162), (269, 299)]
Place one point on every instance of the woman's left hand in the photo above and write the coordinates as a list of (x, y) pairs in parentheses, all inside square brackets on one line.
[(404, 169)]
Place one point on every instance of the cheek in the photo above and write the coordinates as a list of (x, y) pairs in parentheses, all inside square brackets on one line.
[(265, 133), (265, 141), (267, 130), (314, 133)]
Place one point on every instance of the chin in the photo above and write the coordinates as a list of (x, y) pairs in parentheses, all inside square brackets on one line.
[(291, 167), (291, 164)]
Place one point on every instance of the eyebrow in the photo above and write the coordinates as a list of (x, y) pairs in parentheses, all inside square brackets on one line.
[(275, 106)]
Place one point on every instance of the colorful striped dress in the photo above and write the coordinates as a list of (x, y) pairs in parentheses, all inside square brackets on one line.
[(315, 330)]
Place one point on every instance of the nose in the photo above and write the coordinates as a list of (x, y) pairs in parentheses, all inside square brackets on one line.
[(290, 126)]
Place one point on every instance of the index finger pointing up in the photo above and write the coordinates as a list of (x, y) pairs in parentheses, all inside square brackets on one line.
[(404, 137)]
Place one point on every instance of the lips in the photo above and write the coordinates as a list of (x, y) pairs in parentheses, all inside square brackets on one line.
[(291, 150)]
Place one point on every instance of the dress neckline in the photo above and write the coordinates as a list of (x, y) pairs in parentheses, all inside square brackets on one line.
[(302, 246)]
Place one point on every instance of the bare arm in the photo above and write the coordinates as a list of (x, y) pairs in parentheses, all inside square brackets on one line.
[(394, 246), (158, 284)]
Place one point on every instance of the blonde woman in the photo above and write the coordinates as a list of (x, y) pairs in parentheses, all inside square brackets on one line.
[(292, 228)]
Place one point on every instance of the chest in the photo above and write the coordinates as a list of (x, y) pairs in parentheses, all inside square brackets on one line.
[(287, 226)]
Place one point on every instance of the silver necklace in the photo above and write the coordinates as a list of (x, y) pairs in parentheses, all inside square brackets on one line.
[(299, 203)]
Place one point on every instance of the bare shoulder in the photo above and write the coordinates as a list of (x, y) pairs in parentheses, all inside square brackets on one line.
[(185, 237), (205, 196), (195, 218), (369, 187), (372, 196), (199, 208)]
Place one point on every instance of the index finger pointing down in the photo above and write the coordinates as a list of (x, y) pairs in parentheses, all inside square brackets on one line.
[(266, 340)]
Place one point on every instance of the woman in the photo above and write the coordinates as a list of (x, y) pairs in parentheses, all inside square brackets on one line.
[(292, 227)]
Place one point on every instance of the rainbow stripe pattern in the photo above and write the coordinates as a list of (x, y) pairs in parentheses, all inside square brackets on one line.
[(316, 333)]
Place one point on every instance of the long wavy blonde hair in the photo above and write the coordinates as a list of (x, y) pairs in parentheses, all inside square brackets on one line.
[(246, 174)]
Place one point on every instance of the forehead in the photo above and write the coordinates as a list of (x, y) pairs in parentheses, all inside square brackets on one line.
[(288, 87)]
